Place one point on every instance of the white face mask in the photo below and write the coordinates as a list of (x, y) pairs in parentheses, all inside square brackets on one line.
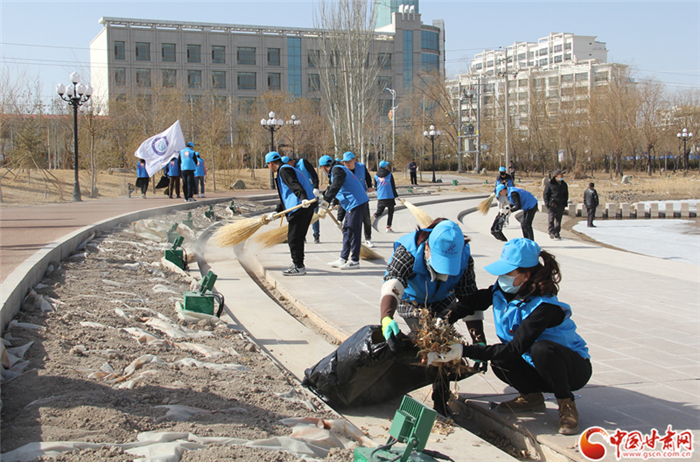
[(434, 274), (506, 283)]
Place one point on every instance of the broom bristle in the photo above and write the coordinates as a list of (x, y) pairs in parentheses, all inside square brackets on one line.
[(485, 205), (277, 235), (368, 254), (422, 218), (237, 232)]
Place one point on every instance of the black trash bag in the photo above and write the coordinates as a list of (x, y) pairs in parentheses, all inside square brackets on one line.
[(163, 182), (497, 227), (363, 371)]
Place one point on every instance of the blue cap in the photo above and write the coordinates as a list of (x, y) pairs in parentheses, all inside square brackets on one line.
[(190, 144), (518, 253), (337, 159), (271, 157), (348, 156), (383, 164), (285, 159), (500, 188), (325, 160), (502, 169), (446, 243)]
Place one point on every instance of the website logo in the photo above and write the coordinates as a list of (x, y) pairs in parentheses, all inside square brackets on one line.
[(673, 444)]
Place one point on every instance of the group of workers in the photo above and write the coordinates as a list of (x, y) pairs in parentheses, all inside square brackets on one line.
[(188, 166), (432, 268)]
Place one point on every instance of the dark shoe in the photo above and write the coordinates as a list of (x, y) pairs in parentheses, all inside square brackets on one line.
[(294, 271), (317, 239), (568, 417), (558, 237), (592, 226), (527, 402)]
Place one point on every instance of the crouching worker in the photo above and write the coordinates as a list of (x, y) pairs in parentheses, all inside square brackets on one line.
[(540, 350), (431, 269), (293, 190)]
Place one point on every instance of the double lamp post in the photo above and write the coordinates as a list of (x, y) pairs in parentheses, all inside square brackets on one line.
[(431, 135), (272, 125), (684, 135)]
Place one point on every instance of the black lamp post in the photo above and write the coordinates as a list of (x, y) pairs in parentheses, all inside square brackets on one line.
[(294, 123), (271, 125), (76, 96), (431, 135), (684, 135)]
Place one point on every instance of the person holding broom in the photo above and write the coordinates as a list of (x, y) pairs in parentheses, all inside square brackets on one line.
[(361, 173), (432, 269), (345, 187), (386, 193), (293, 189), (514, 199), (308, 170), (540, 350)]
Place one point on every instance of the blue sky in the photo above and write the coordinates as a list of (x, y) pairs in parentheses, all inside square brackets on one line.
[(659, 39)]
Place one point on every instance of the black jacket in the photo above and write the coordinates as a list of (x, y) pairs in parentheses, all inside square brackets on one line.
[(556, 194), (590, 198)]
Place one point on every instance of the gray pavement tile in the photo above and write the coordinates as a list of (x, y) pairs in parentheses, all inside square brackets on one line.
[(655, 355), (690, 387), (615, 378)]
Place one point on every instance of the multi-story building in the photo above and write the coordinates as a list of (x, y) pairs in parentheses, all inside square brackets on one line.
[(241, 62)]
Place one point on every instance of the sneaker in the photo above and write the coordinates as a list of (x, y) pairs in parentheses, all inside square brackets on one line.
[(294, 271), (143, 196), (351, 265), (317, 239), (369, 244), (557, 237), (568, 417), (551, 236), (338, 263), (203, 196), (523, 402), (389, 230)]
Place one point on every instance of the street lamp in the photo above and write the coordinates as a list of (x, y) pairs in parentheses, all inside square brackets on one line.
[(431, 135), (76, 96), (294, 123), (393, 121), (271, 125), (684, 135)]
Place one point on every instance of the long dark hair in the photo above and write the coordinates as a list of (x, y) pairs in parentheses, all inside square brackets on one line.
[(544, 278), (422, 235)]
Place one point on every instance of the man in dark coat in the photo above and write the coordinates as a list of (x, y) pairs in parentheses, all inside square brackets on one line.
[(556, 198), (590, 199)]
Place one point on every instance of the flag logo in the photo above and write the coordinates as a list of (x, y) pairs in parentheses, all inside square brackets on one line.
[(160, 145)]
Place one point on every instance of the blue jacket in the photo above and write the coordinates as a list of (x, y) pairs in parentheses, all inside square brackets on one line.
[(188, 160), (199, 170), (527, 200), (509, 316), (174, 167), (360, 174), (141, 171), (384, 189), (420, 287), (289, 199), (352, 193)]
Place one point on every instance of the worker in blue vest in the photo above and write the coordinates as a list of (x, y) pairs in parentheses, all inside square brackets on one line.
[(349, 191), (361, 173), (503, 178), (199, 174), (174, 177), (514, 199), (293, 189), (432, 269), (188, 164), (142, 178), (540, 350), (308, 170), (386, 193)]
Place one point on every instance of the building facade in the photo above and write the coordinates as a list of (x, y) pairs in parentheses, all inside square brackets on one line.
[(242, 62)]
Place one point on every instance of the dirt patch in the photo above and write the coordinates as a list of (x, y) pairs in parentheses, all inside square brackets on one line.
[(112, 299)]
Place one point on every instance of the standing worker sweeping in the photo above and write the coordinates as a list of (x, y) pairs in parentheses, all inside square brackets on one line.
[(293, 189), (386, 193), (556, 198), (188, 164), (515, 199), (345, 187), (309, 172), (361, 173)]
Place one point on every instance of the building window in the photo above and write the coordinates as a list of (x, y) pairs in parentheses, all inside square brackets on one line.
[(539, 83), (274, 81), (478, 66), (194, 100), (384, 82), (601, 76), (543, 52), (530, 55), (169, 78), (489, 63), (167, 52), (143, 51), (567, 78), (314, 82), (582, 76), (522, 96), (553, 81), (143, 102), (429, 62), (246, 104), (567, 46), (567, 91), (543, 62), (245, 55), (313, 58), (522, 57), (557, 59), (522, 83), (194, 53), (384, 60), (218, 80), (273, 56), (194, 79), (143, 78), (553, 94), (430, 40), (218, 54), (294, 65), (221, 101), (119, 52), (407, 58), (120, 77), (489, 87), (557, 48), (246, 81)]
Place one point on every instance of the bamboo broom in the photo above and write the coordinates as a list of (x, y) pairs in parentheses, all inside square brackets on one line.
[(485, 205), (239, 231), (365, 252), (423, 218), (277, 235)]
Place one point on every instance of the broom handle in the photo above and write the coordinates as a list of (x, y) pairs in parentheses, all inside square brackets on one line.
[(284, 212), (330, 214)]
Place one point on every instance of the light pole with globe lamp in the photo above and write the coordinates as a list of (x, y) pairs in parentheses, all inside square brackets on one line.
[(271, 125), (431, 135), (294, 123), (393, 121), (684, 135), (75, 96)]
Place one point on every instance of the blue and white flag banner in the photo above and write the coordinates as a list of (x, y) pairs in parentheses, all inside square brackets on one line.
[(158, 150)]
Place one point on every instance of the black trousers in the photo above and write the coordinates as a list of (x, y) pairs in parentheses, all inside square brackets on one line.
[(174, 186), (557, 370), (142, 183), (554, 220), (526, 224), (389, 204), (188, 186), (591, 215), (352, 233), (366, 221), (298, 222), (414, 178)]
